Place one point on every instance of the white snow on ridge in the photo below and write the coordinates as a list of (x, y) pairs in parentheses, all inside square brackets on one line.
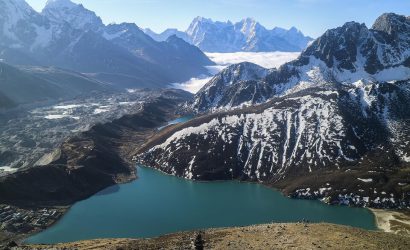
[(313, 140)]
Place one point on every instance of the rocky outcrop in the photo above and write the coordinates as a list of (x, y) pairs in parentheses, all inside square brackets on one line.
[(246, 74)]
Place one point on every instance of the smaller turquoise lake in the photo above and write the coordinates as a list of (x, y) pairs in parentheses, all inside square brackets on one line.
[(158, 204), (178, 120)]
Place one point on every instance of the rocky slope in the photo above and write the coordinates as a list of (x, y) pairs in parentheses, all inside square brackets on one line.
[(271, 236), (89, 161), (335, 127), (245, 35), (174, 57), (70, 36), (235, 86)]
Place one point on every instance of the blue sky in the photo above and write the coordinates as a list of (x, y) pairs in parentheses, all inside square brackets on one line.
[(313, 17)]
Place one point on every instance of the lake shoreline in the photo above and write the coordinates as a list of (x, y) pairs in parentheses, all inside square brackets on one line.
[(392, 221), (382, 216), (260, 204), (96, 151), (124, 179), (286, 235)]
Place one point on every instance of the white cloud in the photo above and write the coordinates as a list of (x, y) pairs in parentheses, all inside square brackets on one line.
[(223, 60), (264, 59), (193, 85)]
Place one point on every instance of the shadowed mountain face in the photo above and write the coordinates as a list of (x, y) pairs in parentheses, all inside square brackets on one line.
[(332, 123), (5, 102), (174, 57), (163, 36), (69, 36), (246, 35), (35, 84)]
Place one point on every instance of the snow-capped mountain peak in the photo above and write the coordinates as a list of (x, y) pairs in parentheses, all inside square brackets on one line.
[(337, 116), (60, 4), (13, 10), (202, 20), (245, 35), (353, 49), (249, 27), (344, 55), (391, 23), (60, 11), (248, 22), (18, 4), (21, 25)]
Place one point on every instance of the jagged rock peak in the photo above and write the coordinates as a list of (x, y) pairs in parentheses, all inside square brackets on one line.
[(202, 19), (76, 15), (124, 26), (249, 20), (60, 4), (13, 6), (391, 23), (243, 72)]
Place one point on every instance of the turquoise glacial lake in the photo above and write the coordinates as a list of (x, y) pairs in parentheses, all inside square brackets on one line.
[(158, 204)]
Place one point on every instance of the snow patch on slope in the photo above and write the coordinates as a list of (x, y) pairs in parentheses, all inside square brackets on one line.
[(309, 135)]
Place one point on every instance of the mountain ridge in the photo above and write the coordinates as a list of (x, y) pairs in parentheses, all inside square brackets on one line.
[(325, 126), (70, 36), (245, 35), (345, 54)]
